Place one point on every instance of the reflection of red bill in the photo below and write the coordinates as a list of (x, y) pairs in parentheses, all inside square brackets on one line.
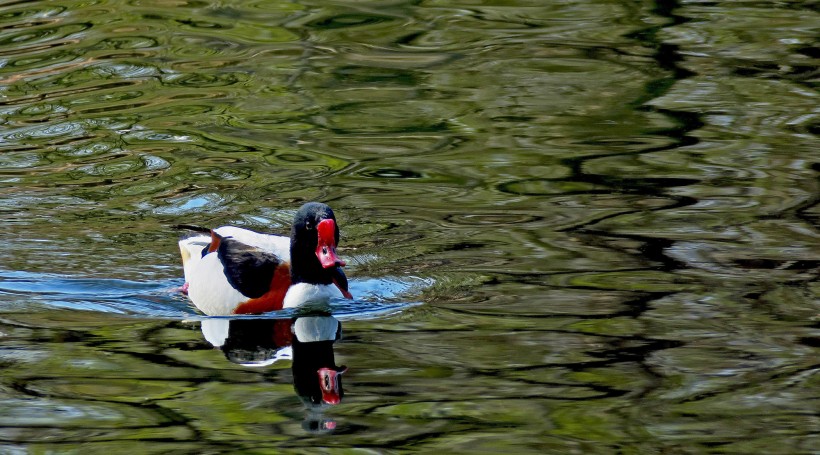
[(329, 384), (330, 425), (326, 245)]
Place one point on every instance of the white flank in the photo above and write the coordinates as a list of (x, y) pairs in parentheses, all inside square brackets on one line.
[(301, 294), (209, 289)]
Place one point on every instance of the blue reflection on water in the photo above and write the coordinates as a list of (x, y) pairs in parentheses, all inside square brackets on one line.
[(162, 298)]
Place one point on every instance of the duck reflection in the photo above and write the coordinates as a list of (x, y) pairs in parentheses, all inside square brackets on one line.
[(316, 377), (306, 341)]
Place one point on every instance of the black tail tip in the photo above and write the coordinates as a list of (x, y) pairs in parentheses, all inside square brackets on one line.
[(190, 227)]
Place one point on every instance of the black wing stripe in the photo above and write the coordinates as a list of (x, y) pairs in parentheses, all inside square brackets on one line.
[(248, 269)]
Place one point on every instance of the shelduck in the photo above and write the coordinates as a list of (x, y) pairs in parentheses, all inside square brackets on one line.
[(239, 271)]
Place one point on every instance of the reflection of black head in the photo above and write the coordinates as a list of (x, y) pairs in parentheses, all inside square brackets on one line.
[(316, 377), (316, 423), (259, 342)]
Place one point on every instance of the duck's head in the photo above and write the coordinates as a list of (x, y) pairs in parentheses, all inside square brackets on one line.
[(313, 240)]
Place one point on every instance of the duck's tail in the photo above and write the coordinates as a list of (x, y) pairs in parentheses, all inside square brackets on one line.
[(190, 227), (191, 249)]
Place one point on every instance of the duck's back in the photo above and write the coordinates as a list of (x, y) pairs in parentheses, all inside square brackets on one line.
[(235, 270), (274, 244)]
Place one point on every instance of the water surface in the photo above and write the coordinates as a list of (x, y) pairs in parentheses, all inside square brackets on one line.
[(579, 227)]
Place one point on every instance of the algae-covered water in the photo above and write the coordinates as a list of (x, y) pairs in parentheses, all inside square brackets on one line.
[(571, 227)]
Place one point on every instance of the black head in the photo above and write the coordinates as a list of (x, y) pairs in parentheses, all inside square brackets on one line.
[(313, 240), (307, 219)]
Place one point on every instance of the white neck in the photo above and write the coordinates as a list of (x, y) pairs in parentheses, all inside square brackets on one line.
[(301, 294)]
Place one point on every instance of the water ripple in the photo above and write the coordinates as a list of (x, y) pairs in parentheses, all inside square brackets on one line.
[(161, 299)]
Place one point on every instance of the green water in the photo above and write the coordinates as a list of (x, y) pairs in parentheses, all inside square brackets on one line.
[(571, 227)]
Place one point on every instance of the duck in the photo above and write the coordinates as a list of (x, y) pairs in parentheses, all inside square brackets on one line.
[(230, 270)]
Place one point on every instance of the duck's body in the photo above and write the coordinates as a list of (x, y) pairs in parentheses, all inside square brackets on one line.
[(238, 271)]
